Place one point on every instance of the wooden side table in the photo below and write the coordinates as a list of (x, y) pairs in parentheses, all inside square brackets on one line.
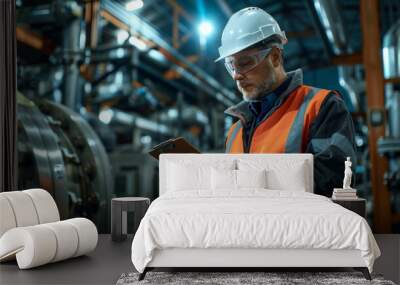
[(357, 205), (119, 209)]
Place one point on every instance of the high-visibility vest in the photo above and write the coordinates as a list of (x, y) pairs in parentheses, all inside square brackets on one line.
[(286, 129)]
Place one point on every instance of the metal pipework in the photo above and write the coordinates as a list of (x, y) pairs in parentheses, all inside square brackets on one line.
[(353, 85), (57, 10), (71, 86), (189, 115), (391, 68), (112, 115), (142, 27), (391, 52), (330, 17)]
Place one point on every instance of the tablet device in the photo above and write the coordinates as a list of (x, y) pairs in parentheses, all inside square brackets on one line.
[(177, 145)]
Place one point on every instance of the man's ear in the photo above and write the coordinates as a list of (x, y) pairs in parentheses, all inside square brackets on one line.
[(276, 57)]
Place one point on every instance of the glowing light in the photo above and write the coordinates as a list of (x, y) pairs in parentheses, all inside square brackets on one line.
[(205, 28), (134, 5)]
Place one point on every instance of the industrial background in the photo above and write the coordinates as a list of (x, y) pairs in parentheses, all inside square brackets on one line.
[(101, 82)]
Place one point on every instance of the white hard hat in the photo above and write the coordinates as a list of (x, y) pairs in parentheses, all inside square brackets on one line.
[(246, 28)]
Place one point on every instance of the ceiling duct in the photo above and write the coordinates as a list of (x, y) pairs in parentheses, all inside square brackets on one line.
[(329, 15)]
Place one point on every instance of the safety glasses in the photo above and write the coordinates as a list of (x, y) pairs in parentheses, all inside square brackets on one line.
[(246, 62)]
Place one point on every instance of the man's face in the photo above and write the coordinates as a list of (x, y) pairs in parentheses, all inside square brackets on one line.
[(255, 83)]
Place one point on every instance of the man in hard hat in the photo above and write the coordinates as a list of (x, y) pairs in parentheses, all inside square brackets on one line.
[(278, 113)]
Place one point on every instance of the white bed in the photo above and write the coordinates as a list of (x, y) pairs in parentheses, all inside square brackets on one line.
[(203, 220)]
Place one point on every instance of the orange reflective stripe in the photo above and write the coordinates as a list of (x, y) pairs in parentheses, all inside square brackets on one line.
[(271, 135), (287, 128)]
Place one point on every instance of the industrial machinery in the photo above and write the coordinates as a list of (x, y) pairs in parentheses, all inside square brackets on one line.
[(102, 91), (105, 84), (59, 151), (390, 144)]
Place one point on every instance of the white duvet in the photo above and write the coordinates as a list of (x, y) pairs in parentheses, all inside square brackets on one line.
[(250, 219)]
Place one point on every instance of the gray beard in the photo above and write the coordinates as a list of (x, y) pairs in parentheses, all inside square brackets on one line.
[(261, 90)]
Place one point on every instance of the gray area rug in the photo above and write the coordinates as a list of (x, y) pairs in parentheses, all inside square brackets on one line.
[(225, 278)]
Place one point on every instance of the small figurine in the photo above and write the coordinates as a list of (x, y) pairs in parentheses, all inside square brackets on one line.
[(345, 193), (347, 174)]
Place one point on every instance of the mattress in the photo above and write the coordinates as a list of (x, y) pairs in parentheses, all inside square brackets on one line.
[(252, 219)]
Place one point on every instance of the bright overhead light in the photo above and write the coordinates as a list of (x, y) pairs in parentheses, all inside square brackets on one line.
[(205, 28), (134, 5)]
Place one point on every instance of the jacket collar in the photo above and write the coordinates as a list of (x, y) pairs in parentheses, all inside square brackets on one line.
[(241, 110)]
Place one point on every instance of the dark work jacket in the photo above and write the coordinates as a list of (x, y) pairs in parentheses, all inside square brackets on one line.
[(332, 121)]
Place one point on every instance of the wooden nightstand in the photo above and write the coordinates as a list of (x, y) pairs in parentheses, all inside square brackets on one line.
[(356, 205)]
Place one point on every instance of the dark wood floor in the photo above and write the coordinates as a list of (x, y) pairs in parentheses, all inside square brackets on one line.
[(110, 260)]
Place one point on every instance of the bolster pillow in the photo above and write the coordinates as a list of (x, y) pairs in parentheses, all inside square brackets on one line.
[(40, 244), (26, 208)]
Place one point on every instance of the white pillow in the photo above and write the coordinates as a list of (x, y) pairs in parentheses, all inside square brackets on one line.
[(281, 175), (223, 179), (186, 174), (296, 181), (182, 177), (226, 179), (251, 178)]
